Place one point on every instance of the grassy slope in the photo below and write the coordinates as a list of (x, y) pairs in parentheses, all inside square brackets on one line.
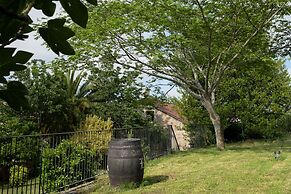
[(243, 168)]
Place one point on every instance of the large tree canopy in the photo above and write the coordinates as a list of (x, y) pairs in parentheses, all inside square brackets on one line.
[(61, 96), (190, 43), (252, 102)]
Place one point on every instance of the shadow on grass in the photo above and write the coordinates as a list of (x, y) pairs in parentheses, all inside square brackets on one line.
[(150, 180)]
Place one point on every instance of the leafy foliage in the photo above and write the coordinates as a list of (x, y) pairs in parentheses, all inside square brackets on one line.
[(155, 140), (61, 100), (100, 133), (190, 43), (253, 101), (75, 161), (117, 94), (13, 124), (15, 24), (14, 91), (57, 104), (18, 175), (58, 43)]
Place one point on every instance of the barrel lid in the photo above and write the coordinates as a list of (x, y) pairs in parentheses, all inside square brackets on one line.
[(123, 141), (126, 139)]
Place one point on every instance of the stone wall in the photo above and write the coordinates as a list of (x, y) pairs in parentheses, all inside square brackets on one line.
[(181, 135)]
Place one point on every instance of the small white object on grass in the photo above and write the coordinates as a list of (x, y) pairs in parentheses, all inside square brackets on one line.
[(277, 154)]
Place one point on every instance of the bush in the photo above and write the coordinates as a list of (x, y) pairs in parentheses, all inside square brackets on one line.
[(234, 133), (285, 123), (20, 150), (18, 175), (155, 140), (100, 133), (78, 157), (67, 163), (200, 135)]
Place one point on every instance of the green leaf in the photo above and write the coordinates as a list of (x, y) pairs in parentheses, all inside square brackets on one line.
[(22, 57), (22, 37), (14, 95), (45, 35), (17, 67), (18, 87), (93, 2), (38, 4), (3, 80), (66, 33), (65, 48), (8, 62), (77, 11), (56, 38), (9, 29), (27, 29), (49, 8), (56, 23), (5, 69), (6, 55), (3, 95)]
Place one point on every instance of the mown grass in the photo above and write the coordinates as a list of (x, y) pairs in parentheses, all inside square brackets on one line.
[(248, 167)]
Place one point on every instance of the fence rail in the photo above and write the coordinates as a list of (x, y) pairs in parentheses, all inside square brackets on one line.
[(55, 162)]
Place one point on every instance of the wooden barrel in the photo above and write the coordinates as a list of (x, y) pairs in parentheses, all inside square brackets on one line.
[(125, 161)]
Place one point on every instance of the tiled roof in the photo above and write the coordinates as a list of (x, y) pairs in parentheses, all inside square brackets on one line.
[(171, 110)]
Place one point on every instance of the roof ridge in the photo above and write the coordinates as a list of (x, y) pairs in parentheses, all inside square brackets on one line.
[(169, 109)]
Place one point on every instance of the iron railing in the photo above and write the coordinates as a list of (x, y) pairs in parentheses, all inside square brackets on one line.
[(55, 162)]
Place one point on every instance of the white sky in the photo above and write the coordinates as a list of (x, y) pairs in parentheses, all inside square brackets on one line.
[(41, 52)]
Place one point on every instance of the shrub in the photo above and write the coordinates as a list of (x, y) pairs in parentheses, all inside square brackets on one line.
[(285, 123), (22, 150), (99, 131), (234, 133), (77, 158), (18, 175), (200, 135), (67, 163), (18, 149), (154, 139)]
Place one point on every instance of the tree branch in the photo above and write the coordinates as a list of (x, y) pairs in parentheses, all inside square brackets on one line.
[(133, 58), (223, 68), (13, 15), (252, 36), (209, 45), (194, 74), (28, 8), (180, 84)]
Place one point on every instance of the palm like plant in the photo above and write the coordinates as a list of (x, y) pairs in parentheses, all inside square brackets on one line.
[(77, 91)]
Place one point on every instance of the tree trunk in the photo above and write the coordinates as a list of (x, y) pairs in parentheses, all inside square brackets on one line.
[(215, 119)]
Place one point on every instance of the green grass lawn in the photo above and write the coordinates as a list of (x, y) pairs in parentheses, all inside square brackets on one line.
[(247, 167)]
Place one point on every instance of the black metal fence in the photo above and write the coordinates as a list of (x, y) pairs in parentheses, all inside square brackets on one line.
[(55, 162)]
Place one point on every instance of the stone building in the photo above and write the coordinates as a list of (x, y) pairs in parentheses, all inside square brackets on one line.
[(167, 115)]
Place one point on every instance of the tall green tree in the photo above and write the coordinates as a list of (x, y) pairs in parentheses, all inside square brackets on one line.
[(255, 100), (190, 43)]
